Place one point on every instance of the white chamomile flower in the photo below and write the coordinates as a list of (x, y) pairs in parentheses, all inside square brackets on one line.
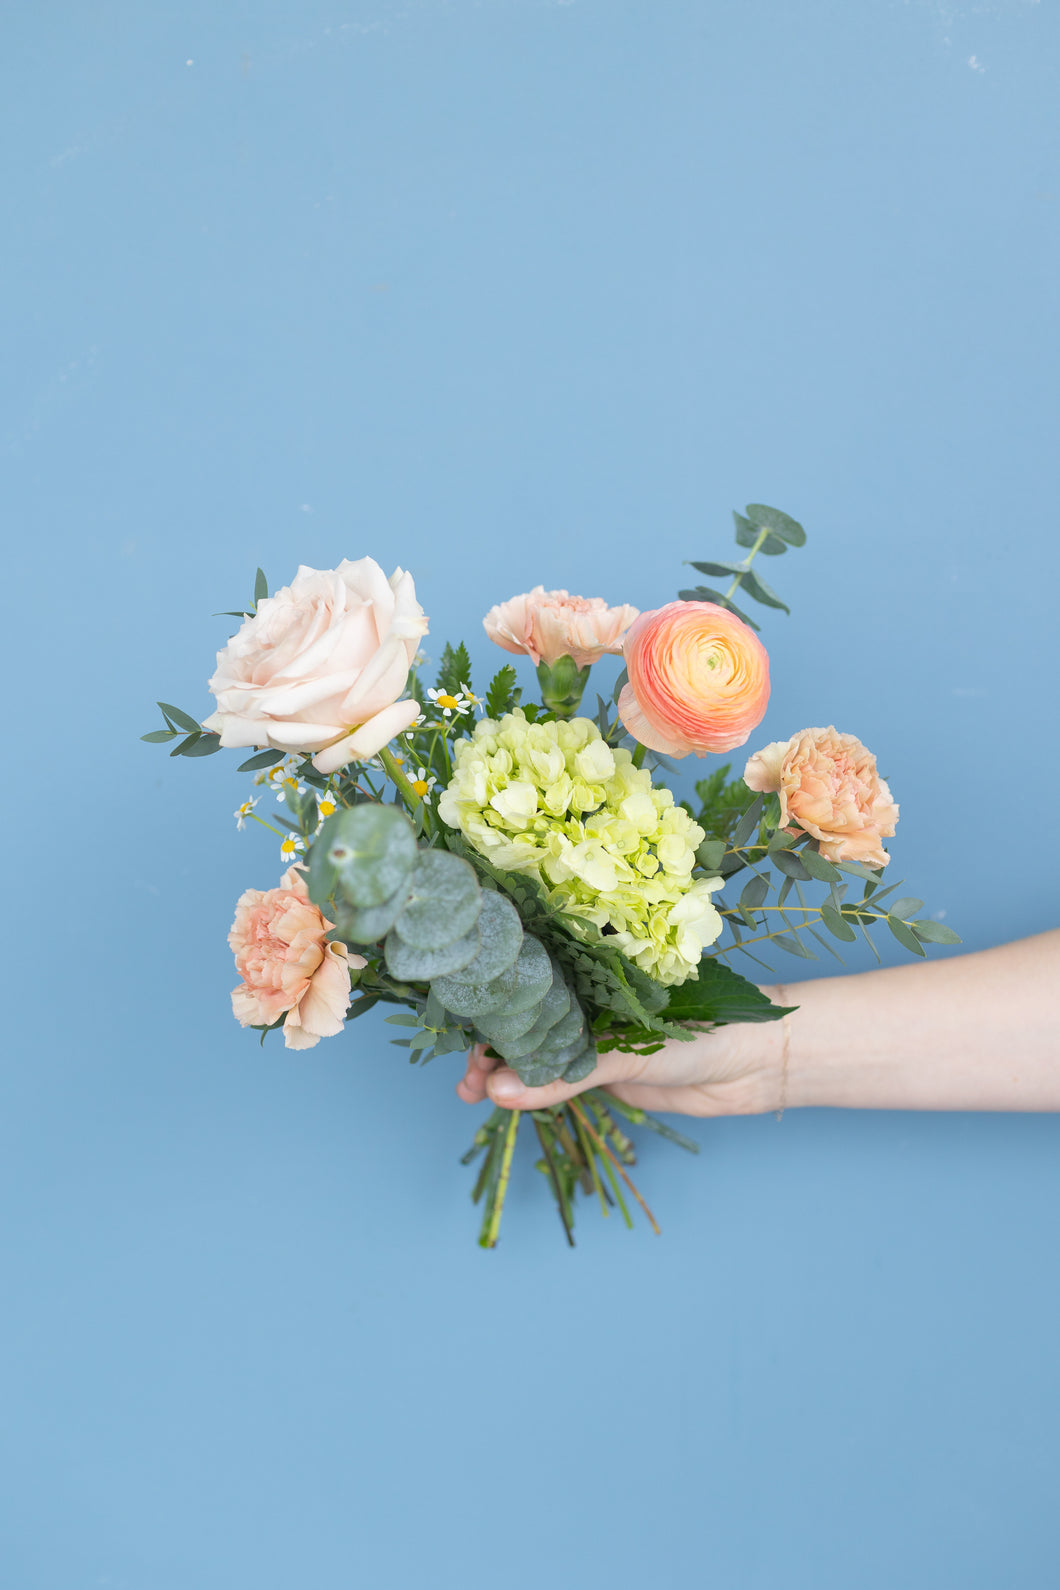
[(284, 786), (327, 805), (423, 783), (417, 721), (241, 813), (470, 696), (292, 847), (448, 704)]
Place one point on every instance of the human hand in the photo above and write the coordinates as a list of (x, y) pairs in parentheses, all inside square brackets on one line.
[(734, 1070)]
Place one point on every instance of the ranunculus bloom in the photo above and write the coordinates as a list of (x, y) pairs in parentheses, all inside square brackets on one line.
[(321, 664), (698, 679), (548, 625), (287, 964), (829, 787)]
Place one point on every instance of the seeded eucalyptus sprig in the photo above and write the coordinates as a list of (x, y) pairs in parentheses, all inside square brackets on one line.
[(764, 530)]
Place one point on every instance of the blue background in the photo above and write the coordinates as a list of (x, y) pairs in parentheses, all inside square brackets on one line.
[(512, 292)]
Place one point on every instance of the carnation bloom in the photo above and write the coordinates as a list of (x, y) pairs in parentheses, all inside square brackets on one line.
[(321, 665), (553, 800), (548, 625), (698, 679), (829, 787), (287, 964)]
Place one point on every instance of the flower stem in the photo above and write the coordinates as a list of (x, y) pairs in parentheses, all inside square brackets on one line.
[(490, 1235), (598, 1140), (272, 830), (399, 778), (748, 560)]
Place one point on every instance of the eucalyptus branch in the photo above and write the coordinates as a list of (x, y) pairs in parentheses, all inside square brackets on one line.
[(748, 560)]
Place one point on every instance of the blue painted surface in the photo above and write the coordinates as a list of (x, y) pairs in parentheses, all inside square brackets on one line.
[(508, 293)]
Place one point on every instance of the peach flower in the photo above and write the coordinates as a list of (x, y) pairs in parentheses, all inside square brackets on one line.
[(698, 679), (548, 625), (321, 665), (287, 964), (829, 787)]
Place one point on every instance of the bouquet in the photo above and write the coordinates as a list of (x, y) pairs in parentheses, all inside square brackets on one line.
[(513, 872)]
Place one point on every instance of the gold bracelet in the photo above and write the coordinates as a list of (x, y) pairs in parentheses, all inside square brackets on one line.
[(785, 1054)]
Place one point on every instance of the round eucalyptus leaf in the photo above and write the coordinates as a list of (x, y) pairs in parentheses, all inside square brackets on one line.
[(444, 903), (321, 876), (570, 1029), (468, 999), (372, 849), (536, 1072), (528, 979), (499, 1026), (555, 1005), (502, 935), (366, 924), (410, 964), (582, 1066)]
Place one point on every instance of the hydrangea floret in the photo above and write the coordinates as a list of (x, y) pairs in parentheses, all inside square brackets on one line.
[(555, 801)]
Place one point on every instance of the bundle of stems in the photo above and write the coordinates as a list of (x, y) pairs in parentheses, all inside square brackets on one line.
[(582, 1146)]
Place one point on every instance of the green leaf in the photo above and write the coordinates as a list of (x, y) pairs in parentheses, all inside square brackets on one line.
[(454, 670), (373, 850), (781, 524), (755, 891), (905, 936), (905, 907), (410, 964), (185, 745), (443, 905), (748, 822), (719, 995), (794, 946), (183, 720), (717, 568), (935, 933), (711, 853), (261, 759), (818, 867), (261, 587), (786, 862), (703, 593), (205, 745), (755, 586), (499, 694), (157, 736), (746, 534), (836, 926), (620, 684)]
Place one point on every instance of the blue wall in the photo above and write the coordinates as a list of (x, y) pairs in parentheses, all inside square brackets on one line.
[(512, 292)]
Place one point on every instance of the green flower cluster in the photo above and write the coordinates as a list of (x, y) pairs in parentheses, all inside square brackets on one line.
[(554, 800)]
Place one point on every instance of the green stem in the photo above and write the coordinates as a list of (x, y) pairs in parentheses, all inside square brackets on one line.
[(399, 778), (748, 560), (272, 830), (638, 755), (492, 1230)]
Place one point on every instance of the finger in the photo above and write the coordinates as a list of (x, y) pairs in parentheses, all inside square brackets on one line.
[(505, 1088), (472, 1085)]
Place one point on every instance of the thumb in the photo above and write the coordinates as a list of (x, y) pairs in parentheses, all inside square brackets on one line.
[(506, 1089)]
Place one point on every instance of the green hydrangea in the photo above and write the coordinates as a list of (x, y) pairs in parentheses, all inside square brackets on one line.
[(615, 854)]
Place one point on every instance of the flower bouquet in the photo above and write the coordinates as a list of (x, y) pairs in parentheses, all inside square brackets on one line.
[(507, 871)]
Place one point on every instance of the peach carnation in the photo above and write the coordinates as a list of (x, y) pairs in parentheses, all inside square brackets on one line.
[(287, 964), (829, 787), (698, 679), (548, 625)]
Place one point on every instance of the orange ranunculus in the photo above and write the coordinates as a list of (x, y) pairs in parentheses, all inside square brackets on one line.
[(698, 679), (829, 787)]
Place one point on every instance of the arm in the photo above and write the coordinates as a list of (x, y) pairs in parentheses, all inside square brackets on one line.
[(973, 1032)]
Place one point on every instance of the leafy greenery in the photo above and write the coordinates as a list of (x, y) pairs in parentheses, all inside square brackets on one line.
[(454, 671), (764, 530), (502, 695)]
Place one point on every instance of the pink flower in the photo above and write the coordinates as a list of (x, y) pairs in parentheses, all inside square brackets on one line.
[(321, 664), (548, 625), (287, 964), (698, 679), (829, 787)]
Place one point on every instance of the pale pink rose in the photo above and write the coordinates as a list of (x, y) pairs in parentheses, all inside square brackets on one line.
[(547, 625), (829, 787), (698, 679), (321, 664), (288, 964)]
